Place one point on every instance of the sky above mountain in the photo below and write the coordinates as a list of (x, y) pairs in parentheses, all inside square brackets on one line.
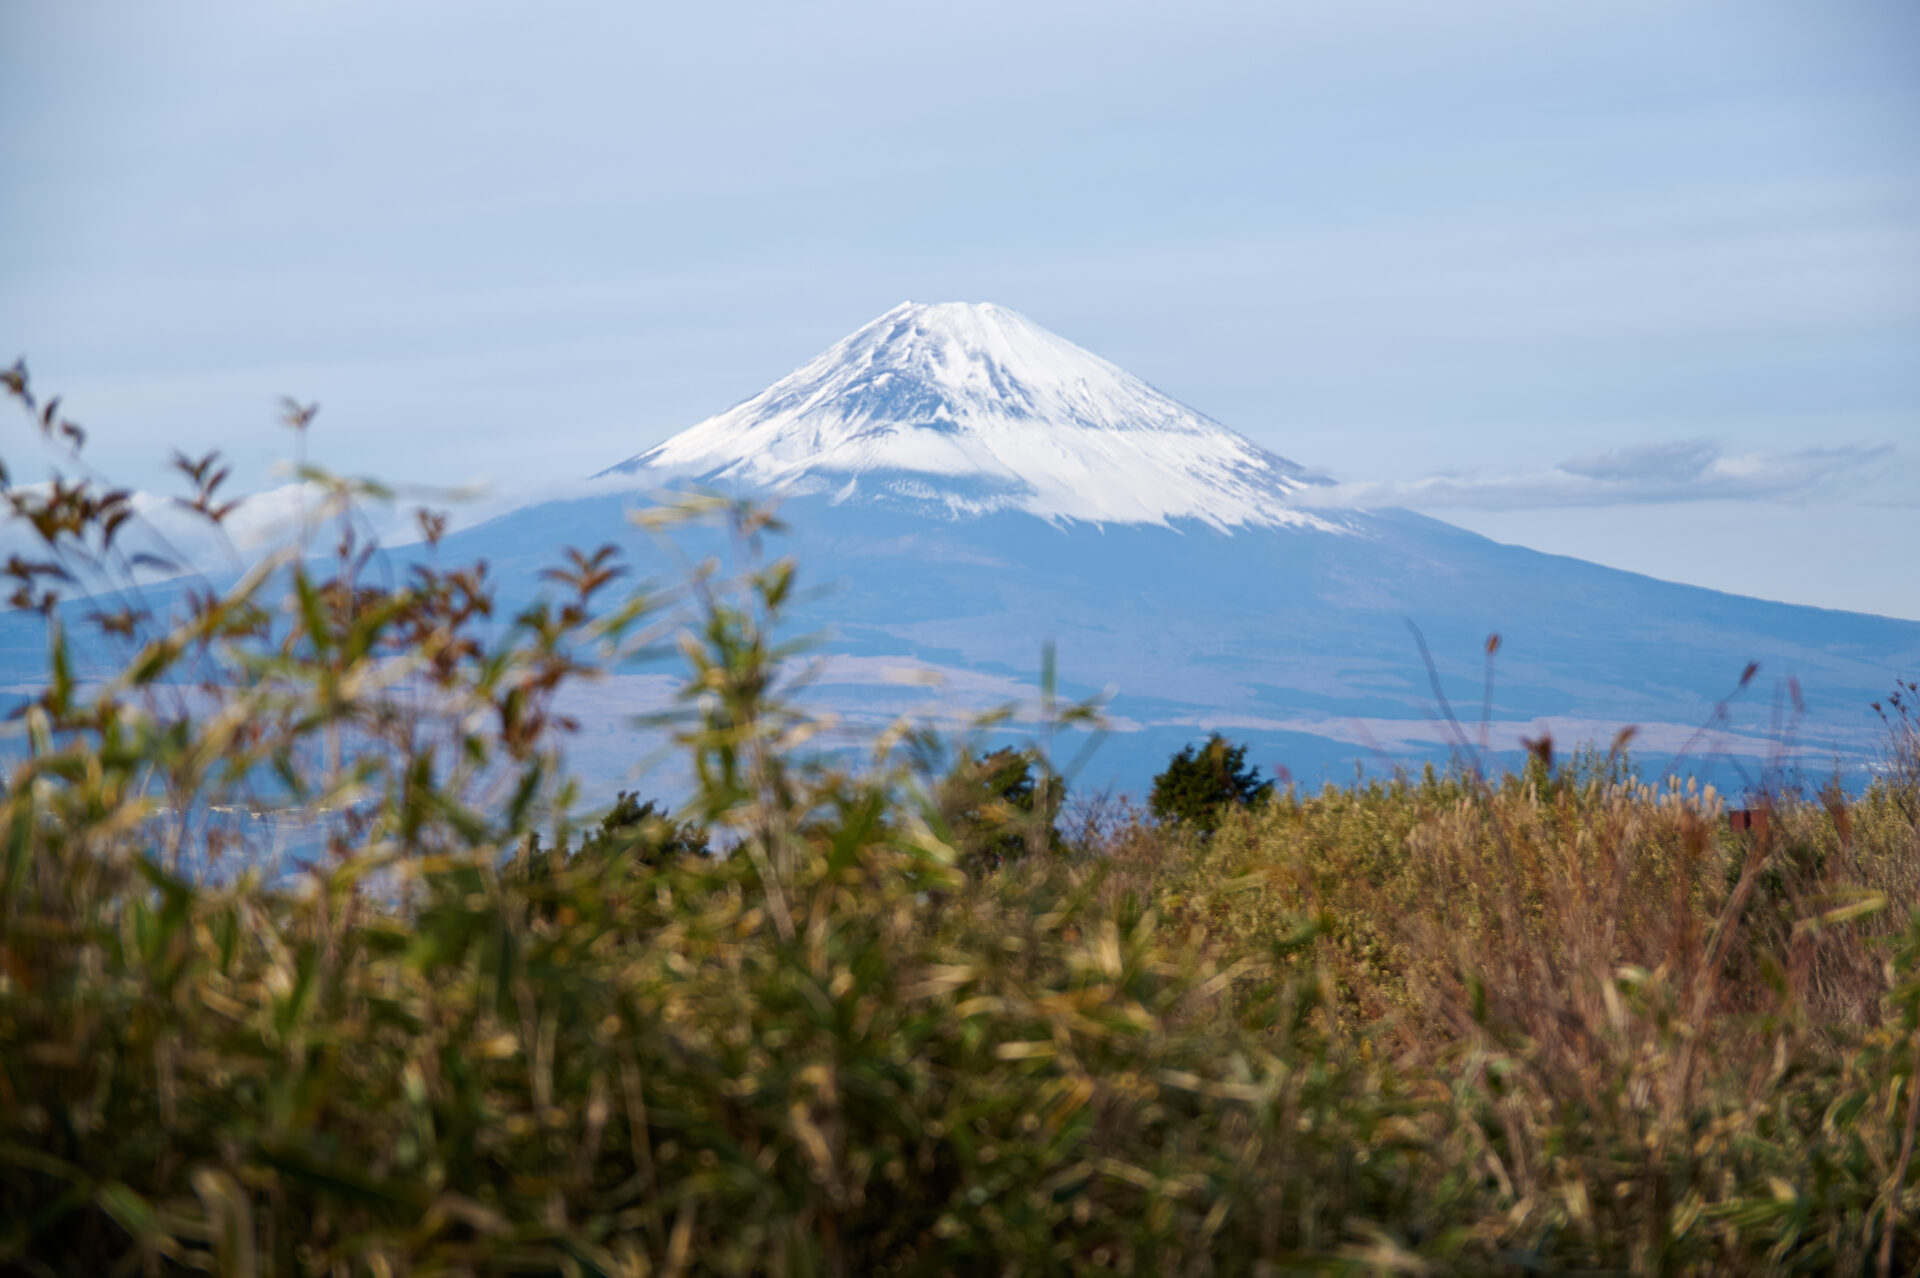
[(1637, 282)]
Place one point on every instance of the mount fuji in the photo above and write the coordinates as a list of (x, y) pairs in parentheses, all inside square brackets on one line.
[(965, 487)]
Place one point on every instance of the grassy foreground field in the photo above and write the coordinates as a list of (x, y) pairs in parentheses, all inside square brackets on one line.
[(1560, 1022)]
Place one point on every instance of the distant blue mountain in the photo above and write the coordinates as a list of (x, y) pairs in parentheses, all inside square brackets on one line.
[(1291, 639)]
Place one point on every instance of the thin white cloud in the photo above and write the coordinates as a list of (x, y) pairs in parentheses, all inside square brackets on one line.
[(1684, 471), (170, 538)]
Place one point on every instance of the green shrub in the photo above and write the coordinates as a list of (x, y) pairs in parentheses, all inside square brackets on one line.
[(1199, 784)]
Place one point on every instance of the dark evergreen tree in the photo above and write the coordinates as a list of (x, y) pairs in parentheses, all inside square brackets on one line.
[(1201, 781), (644, 832), (639, 832), (994, 808)]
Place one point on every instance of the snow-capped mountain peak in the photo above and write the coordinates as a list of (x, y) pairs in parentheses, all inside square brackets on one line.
[(969, 408)]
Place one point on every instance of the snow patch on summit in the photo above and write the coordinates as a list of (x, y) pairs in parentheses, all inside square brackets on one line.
[(966, 409)]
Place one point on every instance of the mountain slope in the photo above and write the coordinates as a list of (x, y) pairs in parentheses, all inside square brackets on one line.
[(1284, 637)]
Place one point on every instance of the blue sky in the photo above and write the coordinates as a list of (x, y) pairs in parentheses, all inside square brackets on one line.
[(1638, 282)]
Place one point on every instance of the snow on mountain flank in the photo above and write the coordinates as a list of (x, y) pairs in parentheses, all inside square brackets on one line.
[(969, 408)]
